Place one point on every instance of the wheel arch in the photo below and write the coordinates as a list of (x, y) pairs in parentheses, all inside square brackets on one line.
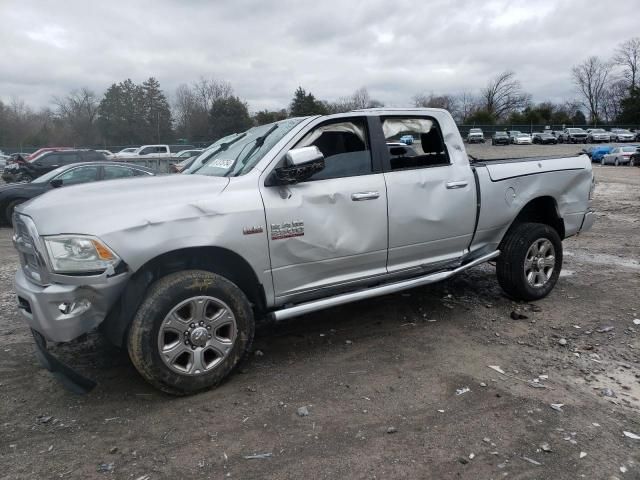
[(221, 261), (543, 210)]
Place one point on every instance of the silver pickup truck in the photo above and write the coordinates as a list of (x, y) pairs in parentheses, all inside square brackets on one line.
[(282, 220)]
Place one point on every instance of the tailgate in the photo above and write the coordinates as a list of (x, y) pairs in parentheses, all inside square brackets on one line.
[(504, 169)]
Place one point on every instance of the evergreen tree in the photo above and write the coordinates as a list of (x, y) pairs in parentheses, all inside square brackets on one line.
[(631, 107), (228, 115), (157, 114), (304, 104)]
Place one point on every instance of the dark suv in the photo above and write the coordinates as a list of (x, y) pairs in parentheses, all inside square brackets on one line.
[(48, 161)]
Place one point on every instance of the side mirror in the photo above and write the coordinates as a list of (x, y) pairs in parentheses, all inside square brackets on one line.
[(301, 164), (56, 183)]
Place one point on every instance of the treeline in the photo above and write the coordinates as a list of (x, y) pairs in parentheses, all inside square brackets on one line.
[(608, 91)]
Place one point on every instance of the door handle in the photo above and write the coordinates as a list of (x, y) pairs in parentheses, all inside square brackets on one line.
[(454, 185), (360, 196)]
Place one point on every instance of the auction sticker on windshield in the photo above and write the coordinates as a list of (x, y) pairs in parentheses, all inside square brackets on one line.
[(222, 163)]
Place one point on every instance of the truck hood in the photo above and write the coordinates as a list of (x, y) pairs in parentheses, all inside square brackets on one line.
[(115, 205)]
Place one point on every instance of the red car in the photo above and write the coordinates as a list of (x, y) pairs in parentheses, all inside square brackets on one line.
[(40, 151)]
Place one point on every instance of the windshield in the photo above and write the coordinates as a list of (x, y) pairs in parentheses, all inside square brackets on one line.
[(241, 156), (575, 130), (501, 134), (597, 130), (50, 175), (623, 131), (628, 149), (523, 134), (208, 152)]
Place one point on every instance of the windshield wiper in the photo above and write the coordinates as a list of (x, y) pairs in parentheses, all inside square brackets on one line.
[(257, 143), (221, 148)]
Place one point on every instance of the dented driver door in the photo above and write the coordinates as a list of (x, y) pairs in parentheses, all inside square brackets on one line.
[(329, 232)]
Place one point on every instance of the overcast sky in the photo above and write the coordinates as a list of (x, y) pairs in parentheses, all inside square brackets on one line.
[(330, 47)]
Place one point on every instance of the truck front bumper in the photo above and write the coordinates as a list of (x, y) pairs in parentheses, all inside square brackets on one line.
[(63, 312)]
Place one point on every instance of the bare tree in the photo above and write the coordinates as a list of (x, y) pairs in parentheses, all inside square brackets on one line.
[(192, 104), (79, 111), (207, 91), (467, 103), (358, 100), (184, 107), (503, 95), (591, 77), (628, 56), (448, 102), (616, 91)]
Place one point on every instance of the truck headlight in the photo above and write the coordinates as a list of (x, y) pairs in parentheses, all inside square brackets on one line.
[(79, 254)]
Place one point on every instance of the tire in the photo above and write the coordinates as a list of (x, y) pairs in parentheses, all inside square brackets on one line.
[(616, 162), (174, 318), (8, 212), (517, 250), (632, 163)]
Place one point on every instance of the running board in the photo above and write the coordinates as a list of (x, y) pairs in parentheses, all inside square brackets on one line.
[(341, 299)]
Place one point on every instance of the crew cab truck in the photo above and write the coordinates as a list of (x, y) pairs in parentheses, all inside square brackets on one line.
[(285, 219), (158, 151)]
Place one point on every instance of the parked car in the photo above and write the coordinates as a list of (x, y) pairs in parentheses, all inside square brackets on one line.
[(28, 171), (522, 139), (407, 139), (597, 135), (3, 162), (40, 151), (544, 138), (155, 151), (17, 158), (634, 159), (573, 135), (500, 138), (475, 135), (293, 217), (619, 156), (513, 134), (622, 135), (596, 153), (106, 153), (183, 165), (194, 152), (13, 195), (126, 151)]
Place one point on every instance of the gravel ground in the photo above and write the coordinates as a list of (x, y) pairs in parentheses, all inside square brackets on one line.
[(384, 381)]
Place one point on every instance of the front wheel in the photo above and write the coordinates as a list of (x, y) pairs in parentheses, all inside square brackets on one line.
[(191, 330), (530, 261)]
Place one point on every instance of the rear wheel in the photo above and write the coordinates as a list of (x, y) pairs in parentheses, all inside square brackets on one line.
[(530, 261), (616, 162), (190, 332)]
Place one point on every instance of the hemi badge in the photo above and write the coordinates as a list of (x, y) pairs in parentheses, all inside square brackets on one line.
[(252, 230)]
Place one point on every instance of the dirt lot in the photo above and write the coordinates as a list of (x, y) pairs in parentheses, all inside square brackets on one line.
[(379, 380)]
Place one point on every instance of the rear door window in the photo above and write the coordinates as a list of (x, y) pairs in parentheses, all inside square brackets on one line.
[(78, 175), (48, 160), (68, 158), (112, 172), (427, 149)]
